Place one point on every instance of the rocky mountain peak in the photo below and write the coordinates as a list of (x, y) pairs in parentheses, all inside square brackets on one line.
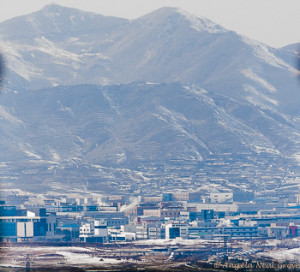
[(176, 17)]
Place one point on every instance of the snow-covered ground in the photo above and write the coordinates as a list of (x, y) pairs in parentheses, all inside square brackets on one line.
[(169, 242), (55, 256), (282, 255), (78, 258)]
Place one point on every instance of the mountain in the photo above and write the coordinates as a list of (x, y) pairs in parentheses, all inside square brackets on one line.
[(54, 45), (142, 132), (63, 46), (166, 101), (294, 48)]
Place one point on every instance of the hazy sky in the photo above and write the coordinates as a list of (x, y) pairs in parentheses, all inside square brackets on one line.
[(274, 22)]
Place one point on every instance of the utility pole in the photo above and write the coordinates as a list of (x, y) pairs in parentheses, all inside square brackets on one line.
[(27, 263)]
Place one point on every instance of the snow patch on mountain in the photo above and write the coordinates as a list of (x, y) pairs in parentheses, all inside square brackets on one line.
[(296, 157), (72, 19), (82, 141), (55, 156), (195, 90), (112, 104), (7, 116), (87, 55), (65, 108), (48, 47), (194, 151), (261, 96), (201, 24), (251, 75), (16, 63), (250, 137), (28, 152), (263, 52), (147, 57), (180, 123), (121, 157), (152, 83), (31, 20)]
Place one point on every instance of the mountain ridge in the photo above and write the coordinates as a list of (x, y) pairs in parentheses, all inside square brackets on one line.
[(167, 99), (130, 127), (166, 45)]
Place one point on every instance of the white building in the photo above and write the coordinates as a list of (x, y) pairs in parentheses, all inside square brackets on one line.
[(96, 232), (85, 230), (221, 197), (175, 229), (120, 235), (100, 227)]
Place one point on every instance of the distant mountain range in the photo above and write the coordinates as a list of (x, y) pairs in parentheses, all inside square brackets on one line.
[(97, 100), (63, 46)]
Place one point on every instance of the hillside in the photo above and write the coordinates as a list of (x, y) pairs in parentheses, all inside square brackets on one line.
[(166, 101), (63, 46)]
